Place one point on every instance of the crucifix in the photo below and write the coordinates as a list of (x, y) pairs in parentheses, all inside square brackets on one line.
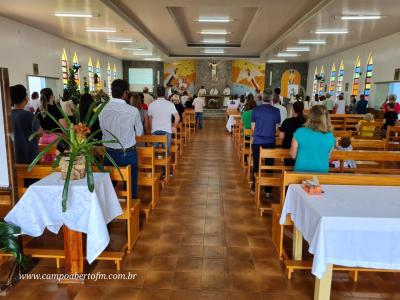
[(213, 66)]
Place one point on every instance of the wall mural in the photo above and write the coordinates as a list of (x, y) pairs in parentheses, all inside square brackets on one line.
[(181, 75), (290, 83), (247, 77)]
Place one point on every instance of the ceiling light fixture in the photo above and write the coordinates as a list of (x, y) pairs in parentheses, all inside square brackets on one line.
[(133, 49), (215, 32), (152, 58), (276, 61), (214, 51), (311, 42), (331, 31), (359, 17), (101, 30), (214, 41), (298, 49), (214, 20), (287, 54), (74, 15), (120, 40), (143, 54)]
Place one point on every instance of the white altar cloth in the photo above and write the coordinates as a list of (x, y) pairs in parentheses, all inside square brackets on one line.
[(40, 208), (353, 226)]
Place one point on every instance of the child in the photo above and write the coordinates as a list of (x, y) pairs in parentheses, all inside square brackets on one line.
[(390, 117), (366, 131), (344, 144)]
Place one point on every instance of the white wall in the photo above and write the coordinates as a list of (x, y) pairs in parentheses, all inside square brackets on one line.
[(22, 45), (386, 56)]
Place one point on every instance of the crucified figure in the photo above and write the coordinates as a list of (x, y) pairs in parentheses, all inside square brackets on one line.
[(213, 66)]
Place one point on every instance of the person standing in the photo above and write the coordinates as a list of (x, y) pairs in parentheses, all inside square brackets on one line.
[(353, 104), (282, 109), (202, 92), (33, 104), (226, 92), (277, 92), (147, 98), (123, 121), (23, 124), (340, 105), (161, 112), (199, 103), (362, 105), (264, 121), (329, 103)]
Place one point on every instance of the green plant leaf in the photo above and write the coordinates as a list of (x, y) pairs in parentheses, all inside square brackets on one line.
[(96, 114), (65, 116), (89, 173), (42, 153), (56, 162), (72, 158), (90, 112), (90, 137), (114, 164), (116, 139)]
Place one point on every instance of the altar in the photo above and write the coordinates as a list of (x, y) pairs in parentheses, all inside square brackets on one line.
[(217, 103)]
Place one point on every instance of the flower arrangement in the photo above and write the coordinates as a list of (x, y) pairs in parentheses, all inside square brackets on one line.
[(80, 148)]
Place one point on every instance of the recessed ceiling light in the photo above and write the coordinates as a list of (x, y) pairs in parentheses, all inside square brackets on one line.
[(359, 17), (287, 54), (73, 15), (214, 32), (101, 30), (214, 20), (214, 41), (331, 31), (152, 58), (298, 49), (276, 61), (143, 54), (214, 51), (133, 49), (120, 40), (312, 42)]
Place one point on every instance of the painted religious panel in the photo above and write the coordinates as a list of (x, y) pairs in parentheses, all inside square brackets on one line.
[(247, 77), (181, 75), (290, 83)]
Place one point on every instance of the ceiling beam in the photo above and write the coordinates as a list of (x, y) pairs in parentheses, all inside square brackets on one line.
[(126, 14), (311, 13)]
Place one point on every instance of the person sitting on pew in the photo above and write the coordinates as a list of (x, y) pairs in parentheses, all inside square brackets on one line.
[(312, 144), (247, 111), (366, 131), (344, 144), (390, 118)]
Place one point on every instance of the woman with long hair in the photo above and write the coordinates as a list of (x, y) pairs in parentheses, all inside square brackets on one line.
[(312, 144), (246, 114), (134, 100)]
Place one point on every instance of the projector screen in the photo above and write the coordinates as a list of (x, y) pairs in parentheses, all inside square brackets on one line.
[(140, 78)]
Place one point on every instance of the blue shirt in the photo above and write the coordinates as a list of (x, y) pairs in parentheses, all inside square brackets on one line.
[(362, 106), (314, 149), (266, 117)]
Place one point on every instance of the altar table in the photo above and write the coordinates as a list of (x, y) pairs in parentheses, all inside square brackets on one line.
[(40, 208), (353, 226)]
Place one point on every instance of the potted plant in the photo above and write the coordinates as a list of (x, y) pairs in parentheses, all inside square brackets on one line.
[(9, 243), (81, 148)]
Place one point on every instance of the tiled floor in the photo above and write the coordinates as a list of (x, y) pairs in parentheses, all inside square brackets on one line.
[(205, 240)]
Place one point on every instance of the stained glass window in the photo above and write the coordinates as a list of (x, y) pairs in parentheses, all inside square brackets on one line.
[(321, 82), (76, 62), (357, 74), (332, 80), (368, 76), (109, 78), (98, 73), (114, 76), (64, 68), (315, 82), (339, 86), (91, 75)]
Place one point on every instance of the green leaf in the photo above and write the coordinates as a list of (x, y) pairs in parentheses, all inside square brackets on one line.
[(72, 158), (42, 153), (56, 162), (65, 116), (90, 112), (89, 173), (95, 115), (116, 140), (93, 134), (114, 164)]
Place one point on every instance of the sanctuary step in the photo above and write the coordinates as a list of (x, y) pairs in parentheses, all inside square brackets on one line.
[(214, 113)]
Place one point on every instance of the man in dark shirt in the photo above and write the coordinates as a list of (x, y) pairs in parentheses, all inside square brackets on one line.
[(264, 121), (362, 105), (24, 124), (390, 118)]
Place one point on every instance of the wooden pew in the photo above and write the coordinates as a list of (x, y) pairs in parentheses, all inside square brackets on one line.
[(342, 133), (335, 179), (191, 118), (162, 159), (148, 177), (360, 144), (186, 128), (130, 212), (246, 148), (393, 138)]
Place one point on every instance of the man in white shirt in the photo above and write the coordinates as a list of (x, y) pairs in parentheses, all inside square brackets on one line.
[(282, 109), (160, 113), (184, 98), (226, 92), (199, 103), (213, 92), (118, 119), (147, 97), (202, 91), (340, 105)]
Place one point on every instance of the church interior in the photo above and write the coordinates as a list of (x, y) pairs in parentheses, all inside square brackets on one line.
[(199, 149)]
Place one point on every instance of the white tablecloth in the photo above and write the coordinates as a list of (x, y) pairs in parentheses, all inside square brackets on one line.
[(40, 208), (231, 122), (354, 226)]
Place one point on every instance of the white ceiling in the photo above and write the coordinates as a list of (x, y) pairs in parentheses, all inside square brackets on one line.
[(166, 28)]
